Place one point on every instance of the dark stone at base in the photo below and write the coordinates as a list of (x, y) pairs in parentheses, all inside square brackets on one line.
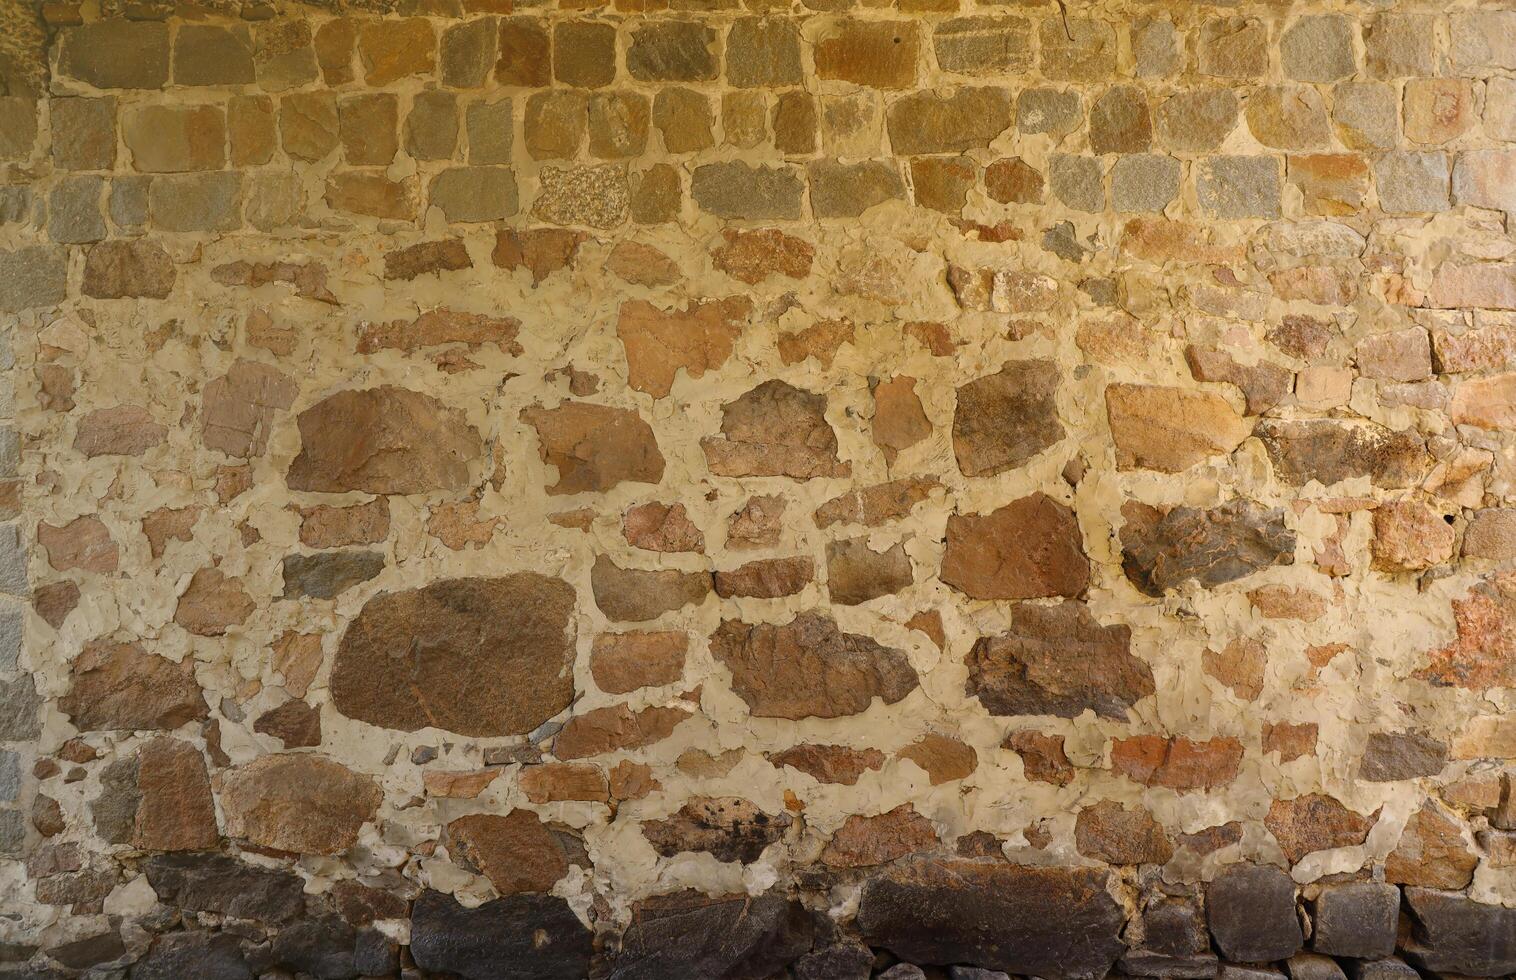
[(321, 947), (1141, 963), (1251, 911), (1229, 971), (688, 934), (83, 953), (202, 955), (1173, 926), (375, 955), (328, 574), (1051, 922), (842, 961), (216, 883), (1357, 919), (1456, 935), (520, 937), (1386, 969), (1313, 966)]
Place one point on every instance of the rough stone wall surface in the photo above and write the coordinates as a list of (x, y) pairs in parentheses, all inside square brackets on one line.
[(689, 488)]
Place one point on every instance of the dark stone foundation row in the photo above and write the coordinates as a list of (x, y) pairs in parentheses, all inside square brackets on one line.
[(957, 919)]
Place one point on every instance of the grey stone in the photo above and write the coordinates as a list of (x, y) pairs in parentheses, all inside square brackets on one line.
[(1155, 47), (223, 885), (1198, 120), (902, 971), (594, 196), (328, 574), (983, 45), (116, 53), (273, 199), (1048, 110), (1162, 551), (197, 202), (10, 776), (18, 127), (975, 973), (1412, 183), (33, 276), (1391, 968), (1239, 187), (19, 702), (1120, 122), (202, 955), (1367, 115), (128, 203), (1356, 919), (1077, 181), (18, 206), (1454, 934), (1318, 48), (73, 210), (763, 52), (468, 52), (10, 452), (1482, 40), (1144, 182), (1251, 911), (431, 127), (12, 831), (846, 190), (838, 961), (207, 54), (672, 51), (1393, 756), (474, 194), (1312, 966), (114, 811), (12, 629), (740, 190), (489, 131), (84, 133), (1486, 179), (1401, 45), (535, 936)]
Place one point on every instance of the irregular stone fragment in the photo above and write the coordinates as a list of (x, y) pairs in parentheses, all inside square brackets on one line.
[(1239, 665), (137, 268), (1456, 935), (698, 339), (382, 440), (864, 842), (1482, 653), (1179, 764), (1006, 418), (516, 852), (301, 803), (1162, 551), (294, 723), (595, 447), (753, 256), (1023, 920), (690, 934), (1264, 385), (728, 828), (1487, 403), (1170, 429), (1388, 757), (878, 54), (176, 812), (1432, 852), (983, 45), (1328, 450), (121, 687), (1410, 536), (561, 782), (829, 763), (1031, 548), (1316, 822), (237, 409), (623, 662), (439, 327), (212, 603), (327, 575), (757, 524), (766, 578), (196, 953), (876, 505), (53, 602), (83, 543), (536, 936), (809, 668), (1251, 912), (1042, 756), (476, 656), (637, 595), (1112, 833), (661, 527), (820, 340), (615, 728), (967, 118), (942, 758), (480, 194), (542, 251), (1058, 660), (333, 527), (775, 429), (855, 573), (225, 886)]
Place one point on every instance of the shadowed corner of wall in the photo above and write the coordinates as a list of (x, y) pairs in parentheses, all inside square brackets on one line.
[(23, 48)]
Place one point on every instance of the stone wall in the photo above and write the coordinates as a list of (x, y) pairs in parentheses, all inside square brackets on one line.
[(683, 489)]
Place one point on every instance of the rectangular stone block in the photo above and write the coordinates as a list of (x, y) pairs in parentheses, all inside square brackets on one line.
[(33, 276), (116, 54)]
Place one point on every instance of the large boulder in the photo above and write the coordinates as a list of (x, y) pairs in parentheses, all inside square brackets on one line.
[(519, 937), (688, 934)]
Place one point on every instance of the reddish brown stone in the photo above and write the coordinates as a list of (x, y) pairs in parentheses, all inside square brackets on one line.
[(944, 759), (727, 828), (698, 339), (1482, 654), (1170, 429), (1290, 741), (775, 429), (563, 782), (458, 784), (1432, 852), (213, 602), (829, 763), (1239, 665), (169, 524), (615, 728), (122, 687), (1316, 823), (541, 251), (876, 505), (624, 662), (637, 595), (516, 852), (1410, 536), (632, 781), (382, 440), (1042, 756), (1031, 548), (809, 668), (595, 447), (324, 526), (753, 256), (766, 578), (295, 724), (758, 524), (642, 265), (304, 803), (661, 527), (238, 409), (444, 255), (1177, 763), (863, 842), (83, 543), (176, 812), (53, 602), (899, 420), (878, 54), (441, 326), (126, 430), (1110, 832), (820, 340), (1004, 419)]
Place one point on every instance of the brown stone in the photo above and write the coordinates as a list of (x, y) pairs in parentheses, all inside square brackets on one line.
[(325, 526), (1410, 536), (371, 194), (698, 339), (684, 118), (942, 758), (1112, 833), (213, 603), (114, 53), (758, 524), (1058, 660), (1119, 122), (309, 125), (121, 687), (1013, 181), (563, 782), (1179, 764), (83, 543), (394, 49), (238, 409), (1290, 741), (808, 667), (294, 723), (1393, 756), (458, 784), (899, 421), (439, 327), (1482, 653), (1163, 550), (632, 781), (53, 602), (1288, 117), (1488, 403), (1042, 756), (821, 340), (829, 763), (1330, 450), (595, 447), (615, 729), (1316, 823), (661, 527), (175, 139), (476, 656), (367, 126), (875, 505), (637, 595), (753, 256), (516, 852), (1432, 852), (251, 129), (176, 812), (135, 269), (1031, 548), (878, 54), (1239, 665), (623, 662), (1004, 419), (642, 265), (942, 183), (302, 803), (766, 578), (728, 828), (382, 440), (525, 55), (1264, 385), (1079, 50), (542, 251), (1170, 429), (775, 429), (863, 842), (856, 573)]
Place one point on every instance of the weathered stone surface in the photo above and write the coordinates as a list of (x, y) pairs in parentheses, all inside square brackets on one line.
[(1432, 852), (302, 803), (126, 430), (751, 193), (329, 574), (691, 934), (863, 842), (855, 573), (1024, 920), (1315, 822), (213, 955), (1170, 429), (875, 505), (294, 723), (1357, 918), (382, 440), (966, 118), (829, 763), (125, 270), (727, 828), (1239, 665), (121, 687), (476, 656), (595, 447), (1112, 833), (1456, 935), (698, 339), (1409, 536), (637, 595), (1482, 653), (212, 603), (1236, 187), (808, 667), (753, 256), (116, 54), (944, 759), (624, 662), (176, 812), (1327, 451), (1029, 549), (983, 45), (225, 886), (615, 728), (595, 196), (1042, 756), (1251, 911), (516, 852), (1004, 419), (1057, 660), (766, 578), (775, 429), (83, 543), (536, 936), (1180, 764), (1162, 551)]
